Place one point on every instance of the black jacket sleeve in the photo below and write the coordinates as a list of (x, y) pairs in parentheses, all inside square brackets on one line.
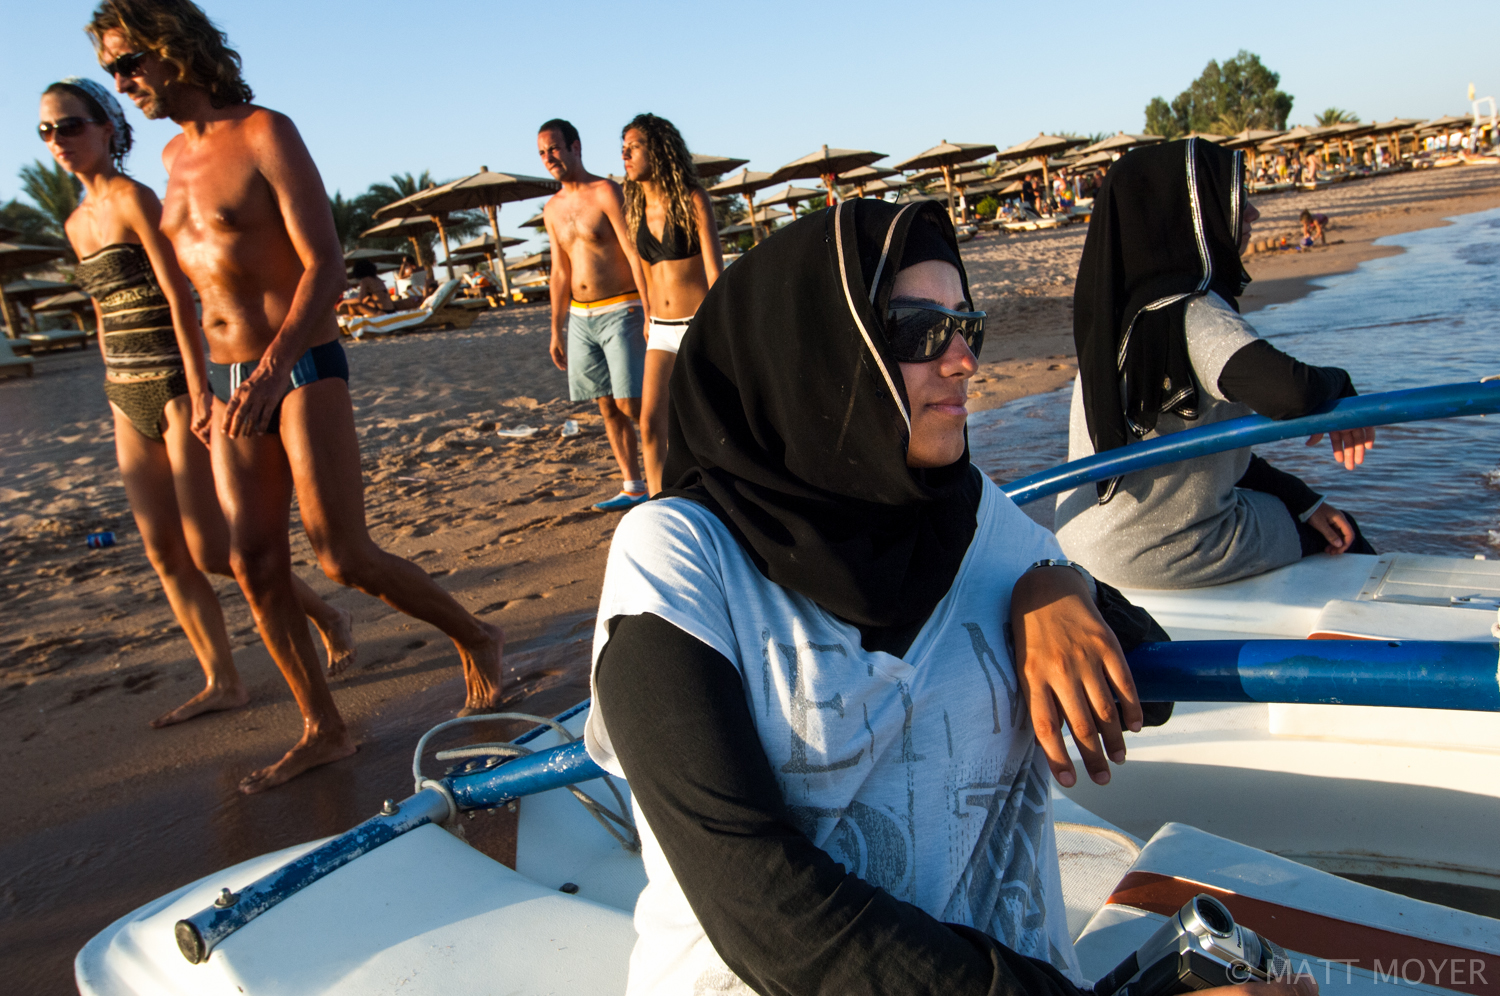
[(1277, 386), (785, 917), (1294, 494)]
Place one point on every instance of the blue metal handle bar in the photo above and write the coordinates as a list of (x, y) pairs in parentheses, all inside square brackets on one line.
[(1415, 405), (1411, 673), (1408, 673)]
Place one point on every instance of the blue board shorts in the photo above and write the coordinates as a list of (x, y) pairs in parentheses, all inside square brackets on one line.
[(606, 348)]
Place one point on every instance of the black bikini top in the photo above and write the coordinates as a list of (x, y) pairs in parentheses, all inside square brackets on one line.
[(679, 244)]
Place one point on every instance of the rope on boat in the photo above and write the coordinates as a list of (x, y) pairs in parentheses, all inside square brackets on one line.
[(607, 818)]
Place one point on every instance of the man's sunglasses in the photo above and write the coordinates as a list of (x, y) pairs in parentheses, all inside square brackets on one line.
[(918, 333), (66, 128), (126, 65)]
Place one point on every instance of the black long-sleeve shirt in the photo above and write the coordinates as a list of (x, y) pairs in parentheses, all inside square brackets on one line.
[(1278, 386), (782, 914)]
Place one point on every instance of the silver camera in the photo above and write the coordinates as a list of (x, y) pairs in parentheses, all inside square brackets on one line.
[(1200, 947)]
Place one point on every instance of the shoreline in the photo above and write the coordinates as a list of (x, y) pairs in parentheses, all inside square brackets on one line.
[(118, 814)]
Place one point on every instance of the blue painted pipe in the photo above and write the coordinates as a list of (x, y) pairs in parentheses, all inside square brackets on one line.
[(198, 934), (1410, 673), (1415, 405), (539, 772)]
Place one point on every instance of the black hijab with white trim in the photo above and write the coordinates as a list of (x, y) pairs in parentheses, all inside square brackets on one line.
[(790, 421), (1165, 229)]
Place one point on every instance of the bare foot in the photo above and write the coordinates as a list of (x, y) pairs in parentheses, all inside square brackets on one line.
[(482, 664), (338, 640), (215, 698), (309, 752)]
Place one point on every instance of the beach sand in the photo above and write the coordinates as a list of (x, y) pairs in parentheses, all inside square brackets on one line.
[(107, 813)]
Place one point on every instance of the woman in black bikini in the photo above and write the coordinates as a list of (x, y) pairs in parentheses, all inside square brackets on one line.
[(155, 378), (663, 195)]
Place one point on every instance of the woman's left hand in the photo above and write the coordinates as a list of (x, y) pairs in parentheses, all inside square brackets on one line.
[(1071, 669), (203, 416)]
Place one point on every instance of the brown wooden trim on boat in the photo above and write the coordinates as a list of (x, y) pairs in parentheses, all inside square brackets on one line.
[(1386, 952)]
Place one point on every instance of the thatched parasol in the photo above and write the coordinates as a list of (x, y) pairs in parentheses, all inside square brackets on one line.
[(407, 228), (1039, 148), (826, 164), (1207, 136), (793, 196), (745, 182), (862, 177), (712, 167), (19, 256), (943, 157), (479, 190), (1120, 142)]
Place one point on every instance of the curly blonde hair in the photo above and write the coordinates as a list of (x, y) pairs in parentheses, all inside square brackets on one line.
[(182, 35), (671, 168)]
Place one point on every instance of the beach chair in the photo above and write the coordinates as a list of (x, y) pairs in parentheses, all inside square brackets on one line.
[(62, 339), (435, 313), (12, 365)]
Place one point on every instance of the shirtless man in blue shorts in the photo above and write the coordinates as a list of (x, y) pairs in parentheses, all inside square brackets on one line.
[(248, 218), (598, 311)]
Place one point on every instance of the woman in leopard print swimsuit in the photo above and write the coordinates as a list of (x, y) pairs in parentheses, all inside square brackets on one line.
[(157, 386)]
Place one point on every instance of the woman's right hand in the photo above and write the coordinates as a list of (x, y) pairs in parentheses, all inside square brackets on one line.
[(1349, 445)]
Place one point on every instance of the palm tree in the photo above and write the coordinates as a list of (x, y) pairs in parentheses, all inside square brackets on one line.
[(1335, 115), (54, 190)]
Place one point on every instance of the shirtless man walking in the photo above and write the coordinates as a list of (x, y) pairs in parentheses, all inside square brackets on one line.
[(247, 215), (598, 315)]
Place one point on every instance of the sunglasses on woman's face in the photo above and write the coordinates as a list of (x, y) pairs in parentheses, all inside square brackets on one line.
[(66, 128), (919, 333), (126, 65)]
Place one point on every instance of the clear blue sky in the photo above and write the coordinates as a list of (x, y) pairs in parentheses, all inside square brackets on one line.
[(380, 87)]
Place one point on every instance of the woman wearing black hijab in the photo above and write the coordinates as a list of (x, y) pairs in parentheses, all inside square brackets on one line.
[(1162, 348), (803, 660)]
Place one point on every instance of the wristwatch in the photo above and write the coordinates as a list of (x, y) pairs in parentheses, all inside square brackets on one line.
[(1084, 571)]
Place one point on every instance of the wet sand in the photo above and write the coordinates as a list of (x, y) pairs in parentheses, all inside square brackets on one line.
[(107, 813)]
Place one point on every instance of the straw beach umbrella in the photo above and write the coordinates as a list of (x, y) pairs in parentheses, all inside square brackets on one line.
[(480, 190), (792, 196), (944, 156), (712, 167), (1039, 149), (1120, 142), (406, 228), (826, 164), (862, 177), (19, 256), (746, 183)]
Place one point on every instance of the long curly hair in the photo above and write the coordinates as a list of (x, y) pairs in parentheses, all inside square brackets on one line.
[(182, 35), (671, 168)]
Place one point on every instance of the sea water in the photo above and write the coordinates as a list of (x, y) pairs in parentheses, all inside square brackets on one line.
[(1430, 315)]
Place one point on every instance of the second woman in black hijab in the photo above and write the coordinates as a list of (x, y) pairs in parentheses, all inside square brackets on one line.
[(804, 661), (1162, 348)]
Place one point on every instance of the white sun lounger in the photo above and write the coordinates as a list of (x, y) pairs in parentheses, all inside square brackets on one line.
[(360, 326), (12, 365)]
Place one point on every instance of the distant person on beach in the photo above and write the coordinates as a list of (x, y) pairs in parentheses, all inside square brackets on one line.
[(598, 300), (672, 226), (154, 377), (1162, 347), (282, 418), (371, 296), (1314, 226)]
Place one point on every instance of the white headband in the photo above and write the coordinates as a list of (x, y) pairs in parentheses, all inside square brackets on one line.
[(112, 110)]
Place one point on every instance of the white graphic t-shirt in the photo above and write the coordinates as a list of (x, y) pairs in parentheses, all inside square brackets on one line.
[(919, 774)]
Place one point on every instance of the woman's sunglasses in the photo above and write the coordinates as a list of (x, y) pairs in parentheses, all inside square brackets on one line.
[(126, 65), (918, 333), (66, 128)]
